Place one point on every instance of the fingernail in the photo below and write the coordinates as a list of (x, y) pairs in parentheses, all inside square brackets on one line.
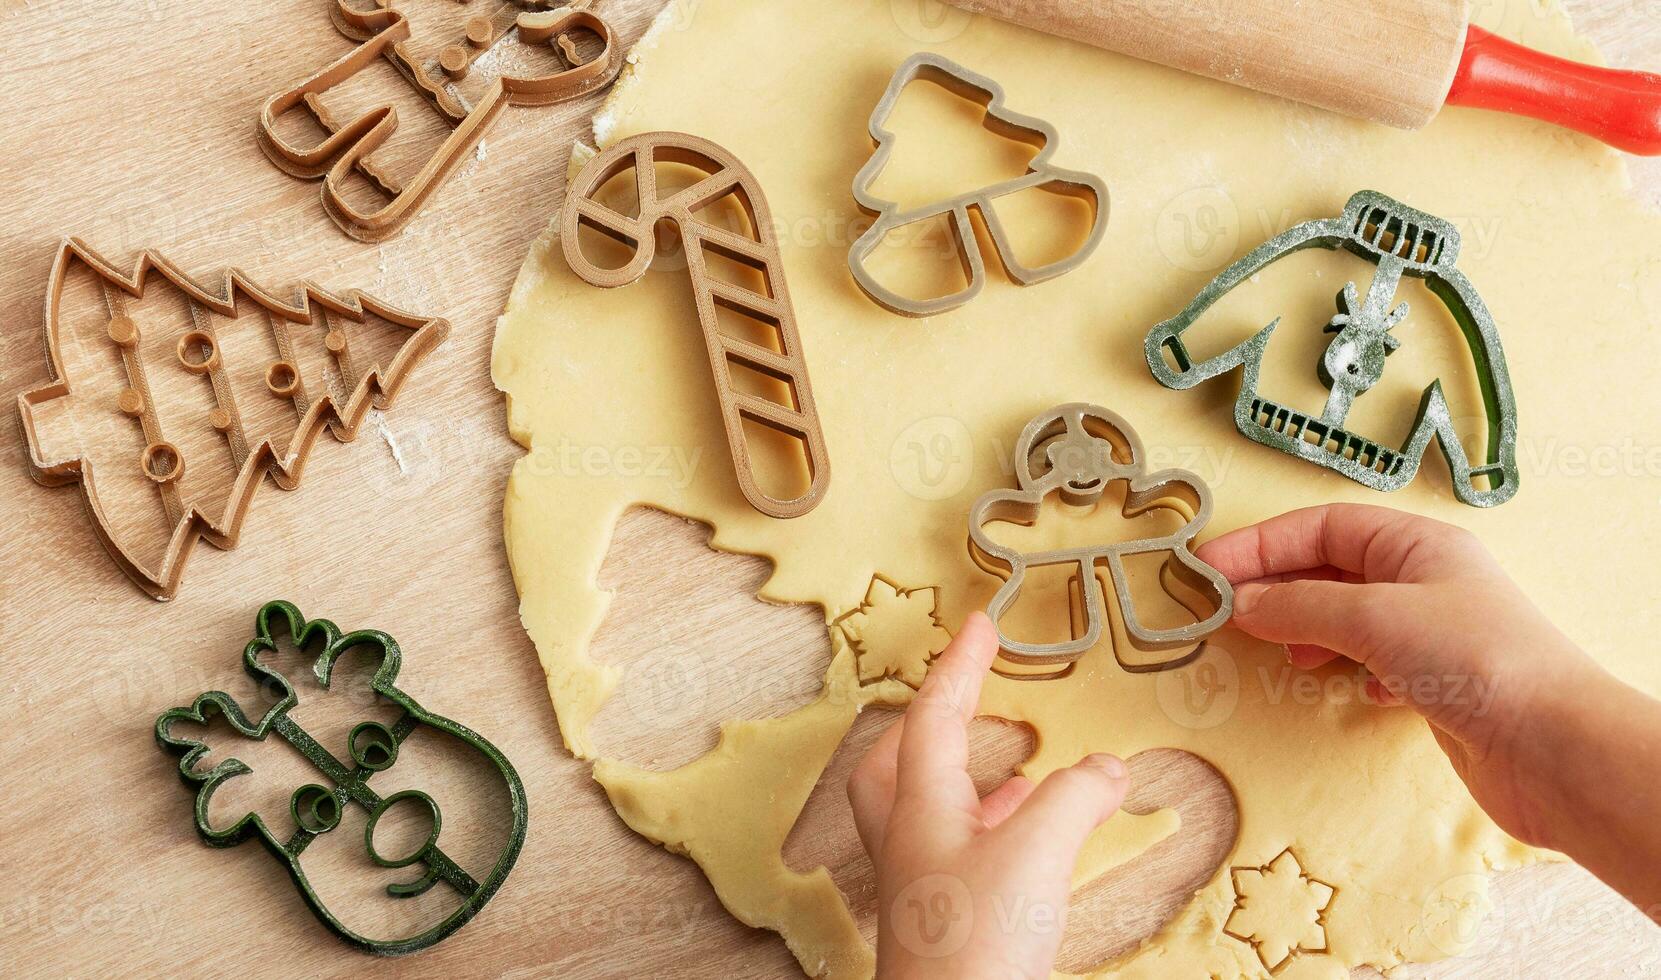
[(1110, 764), (1246, 596), (1381, 695)]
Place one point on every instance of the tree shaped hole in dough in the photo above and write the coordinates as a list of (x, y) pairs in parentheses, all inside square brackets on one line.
[(692, 644)]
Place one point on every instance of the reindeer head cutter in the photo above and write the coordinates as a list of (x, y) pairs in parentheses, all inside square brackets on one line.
[(346, 781)]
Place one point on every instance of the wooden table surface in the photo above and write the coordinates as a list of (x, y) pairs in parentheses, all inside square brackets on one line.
[(133, 127)]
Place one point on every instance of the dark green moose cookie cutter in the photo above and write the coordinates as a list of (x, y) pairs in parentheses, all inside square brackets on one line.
[(317, 807), (1402, 241)]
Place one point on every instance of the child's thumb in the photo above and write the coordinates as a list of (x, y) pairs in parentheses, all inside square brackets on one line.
[(1054, 821)]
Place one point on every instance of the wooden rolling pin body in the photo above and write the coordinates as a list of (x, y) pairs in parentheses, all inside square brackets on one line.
[(1391, 61)]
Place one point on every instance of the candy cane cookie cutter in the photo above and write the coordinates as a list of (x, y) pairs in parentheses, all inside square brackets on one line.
[(384, 32), (317, 403), (1075, 451), (798, 417), (1041, 174)]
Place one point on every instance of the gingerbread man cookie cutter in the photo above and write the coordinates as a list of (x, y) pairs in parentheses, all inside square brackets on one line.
[(1403, 242), (797, 417), (1075, 451), (384, 32), (1040, 174), (317, 807), (317, 405)]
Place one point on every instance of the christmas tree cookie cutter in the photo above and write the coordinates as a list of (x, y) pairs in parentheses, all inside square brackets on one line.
[(782, 361), (384, 32), (1402, 242), (1040, 174), (316, 405), (1075, 452), (317, 807)]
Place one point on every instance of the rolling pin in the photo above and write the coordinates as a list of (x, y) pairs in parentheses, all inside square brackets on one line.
[(1392, 61)]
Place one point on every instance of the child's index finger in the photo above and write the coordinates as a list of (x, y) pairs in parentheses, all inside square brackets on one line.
[(1335, 536), (934, 746)]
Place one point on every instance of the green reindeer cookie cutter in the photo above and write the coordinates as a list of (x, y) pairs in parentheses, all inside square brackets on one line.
[(317, 807), (1402, 241)]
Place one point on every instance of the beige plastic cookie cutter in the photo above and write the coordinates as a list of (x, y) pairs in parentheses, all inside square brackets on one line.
[(316, 402), (385, 33), (1041, 174), (1076, 451), (782, 361)]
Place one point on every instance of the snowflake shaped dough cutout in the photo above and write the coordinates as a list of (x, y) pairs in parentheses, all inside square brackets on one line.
[(895, 632), (1279, 910)]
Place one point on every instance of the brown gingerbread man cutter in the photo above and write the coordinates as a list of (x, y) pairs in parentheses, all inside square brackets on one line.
[(440, 73), (1075, 451)]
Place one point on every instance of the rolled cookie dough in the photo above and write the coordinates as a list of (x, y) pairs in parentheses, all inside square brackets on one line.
[(1387, 852)]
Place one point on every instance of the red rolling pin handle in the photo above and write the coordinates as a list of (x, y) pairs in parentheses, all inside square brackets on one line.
[(1621, 108)]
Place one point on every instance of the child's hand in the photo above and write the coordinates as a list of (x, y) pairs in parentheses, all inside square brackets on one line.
[(1559, 753), (968, 887), (1429, 613)]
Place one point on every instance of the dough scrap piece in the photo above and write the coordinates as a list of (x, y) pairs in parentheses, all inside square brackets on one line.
[(1200, 171)]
